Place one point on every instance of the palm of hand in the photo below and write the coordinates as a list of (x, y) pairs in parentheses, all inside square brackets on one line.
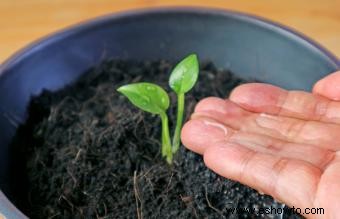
[(283, 143)]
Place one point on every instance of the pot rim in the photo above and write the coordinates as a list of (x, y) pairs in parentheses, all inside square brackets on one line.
[(92, 22)]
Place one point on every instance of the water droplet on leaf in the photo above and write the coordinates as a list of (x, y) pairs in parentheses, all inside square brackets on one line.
[(150, 88)]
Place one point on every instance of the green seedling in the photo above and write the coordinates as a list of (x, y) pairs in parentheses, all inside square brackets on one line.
[(154, 99)]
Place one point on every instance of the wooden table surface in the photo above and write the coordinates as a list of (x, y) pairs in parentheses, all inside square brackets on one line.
[(23, 21)]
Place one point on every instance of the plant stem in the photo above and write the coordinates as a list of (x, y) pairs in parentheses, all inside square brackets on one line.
[(166, 143), (180, 111)]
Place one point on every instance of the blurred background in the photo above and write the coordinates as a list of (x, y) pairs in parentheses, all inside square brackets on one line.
[(23, 21)]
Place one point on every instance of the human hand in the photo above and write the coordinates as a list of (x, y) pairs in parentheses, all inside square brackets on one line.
[(282, 143)]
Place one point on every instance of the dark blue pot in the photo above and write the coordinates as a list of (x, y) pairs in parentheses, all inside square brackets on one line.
[(249, 46)]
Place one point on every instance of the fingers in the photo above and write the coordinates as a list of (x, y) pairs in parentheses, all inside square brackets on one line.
[(318, 157), (294, 130), (276, 141), (286, 129), (200, 134), (270, 174), (221, 110), (273, 100), (329, 86)]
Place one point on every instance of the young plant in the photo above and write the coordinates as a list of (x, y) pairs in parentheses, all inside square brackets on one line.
[(154, 99)]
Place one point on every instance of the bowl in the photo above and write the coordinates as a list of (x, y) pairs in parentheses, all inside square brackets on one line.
[(250, 46)]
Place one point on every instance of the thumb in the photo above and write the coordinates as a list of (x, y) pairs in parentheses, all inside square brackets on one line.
[(329, 86)]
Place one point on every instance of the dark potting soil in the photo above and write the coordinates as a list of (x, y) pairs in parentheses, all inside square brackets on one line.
[(86, 152)]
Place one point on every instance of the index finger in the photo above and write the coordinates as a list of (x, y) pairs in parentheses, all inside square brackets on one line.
[(265, 98)]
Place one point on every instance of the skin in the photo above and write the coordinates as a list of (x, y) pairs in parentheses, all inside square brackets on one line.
[(282, 143)]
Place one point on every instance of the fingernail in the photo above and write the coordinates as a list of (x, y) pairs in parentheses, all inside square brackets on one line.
[(216, 125)]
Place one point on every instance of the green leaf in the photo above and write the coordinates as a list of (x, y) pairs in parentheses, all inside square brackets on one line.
[(147, 96), (185, 74)]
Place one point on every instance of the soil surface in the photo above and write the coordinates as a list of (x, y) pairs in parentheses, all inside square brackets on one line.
[(86, 152)]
